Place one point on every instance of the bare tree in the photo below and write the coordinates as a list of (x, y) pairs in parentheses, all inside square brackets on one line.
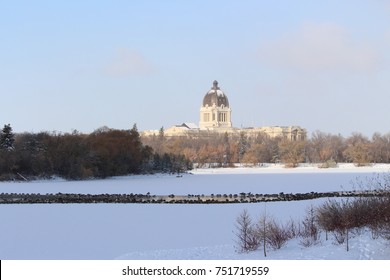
[(262, 231), (326, 148), (310, 232), (358, 150), (380, 148), (271, 233), (247, 239), (257, 153), (292, 152)]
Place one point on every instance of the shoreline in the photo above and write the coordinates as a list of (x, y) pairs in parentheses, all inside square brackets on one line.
[(302, 168)]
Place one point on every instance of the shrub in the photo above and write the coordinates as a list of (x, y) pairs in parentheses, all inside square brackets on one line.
[(340, 217), (277, 235), (337, 216), (329, 216)]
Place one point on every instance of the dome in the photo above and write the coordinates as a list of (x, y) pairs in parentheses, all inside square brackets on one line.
[(215, 96)]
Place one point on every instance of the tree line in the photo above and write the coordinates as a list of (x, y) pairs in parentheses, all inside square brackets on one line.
[(111, 152), (105, 152), (326, 149)]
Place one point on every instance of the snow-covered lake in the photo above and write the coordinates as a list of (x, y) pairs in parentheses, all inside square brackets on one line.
[(165, 231)]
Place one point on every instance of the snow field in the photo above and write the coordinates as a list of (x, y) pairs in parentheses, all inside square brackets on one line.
[(165, 231)]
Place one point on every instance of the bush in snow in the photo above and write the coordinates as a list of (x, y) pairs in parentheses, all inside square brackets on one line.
[(341, 216), (266, 233), (277, 234)]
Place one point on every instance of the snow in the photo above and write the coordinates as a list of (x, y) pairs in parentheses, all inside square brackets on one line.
[(362, 247), (191, 125), (179, 231), (220, 93)]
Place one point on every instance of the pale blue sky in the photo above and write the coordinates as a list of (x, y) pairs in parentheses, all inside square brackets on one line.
[(83, 64)]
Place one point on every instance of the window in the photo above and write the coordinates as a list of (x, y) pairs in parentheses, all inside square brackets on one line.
[(222, 117)]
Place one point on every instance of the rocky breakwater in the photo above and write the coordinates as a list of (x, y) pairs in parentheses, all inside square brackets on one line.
[(63, 198)]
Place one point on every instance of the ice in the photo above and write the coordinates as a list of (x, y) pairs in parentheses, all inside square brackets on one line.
[(179, 231)]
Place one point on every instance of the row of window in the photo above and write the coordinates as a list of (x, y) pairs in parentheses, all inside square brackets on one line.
[(222, 117)]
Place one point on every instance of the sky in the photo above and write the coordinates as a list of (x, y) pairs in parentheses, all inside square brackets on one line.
[(321, 65)]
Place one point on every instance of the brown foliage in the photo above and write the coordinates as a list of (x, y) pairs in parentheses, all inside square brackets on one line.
[(257, 153), (292, 152), (358, 150), (325, 147)]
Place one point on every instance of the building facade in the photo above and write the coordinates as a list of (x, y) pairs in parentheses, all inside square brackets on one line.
[(216, 117), (215, 111)]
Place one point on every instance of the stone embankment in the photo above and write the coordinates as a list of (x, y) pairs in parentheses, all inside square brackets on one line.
[(63, 198)]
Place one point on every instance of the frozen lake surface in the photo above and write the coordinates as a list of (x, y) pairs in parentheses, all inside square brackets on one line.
[(165, 231), (273, 179)]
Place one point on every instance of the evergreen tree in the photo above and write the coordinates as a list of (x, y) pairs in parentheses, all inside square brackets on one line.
[(7, 138), (242, 145), (134, 133), (226, 146), (161, 135)]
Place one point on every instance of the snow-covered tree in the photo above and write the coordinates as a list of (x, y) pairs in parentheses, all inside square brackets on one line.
[(7, 138)]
